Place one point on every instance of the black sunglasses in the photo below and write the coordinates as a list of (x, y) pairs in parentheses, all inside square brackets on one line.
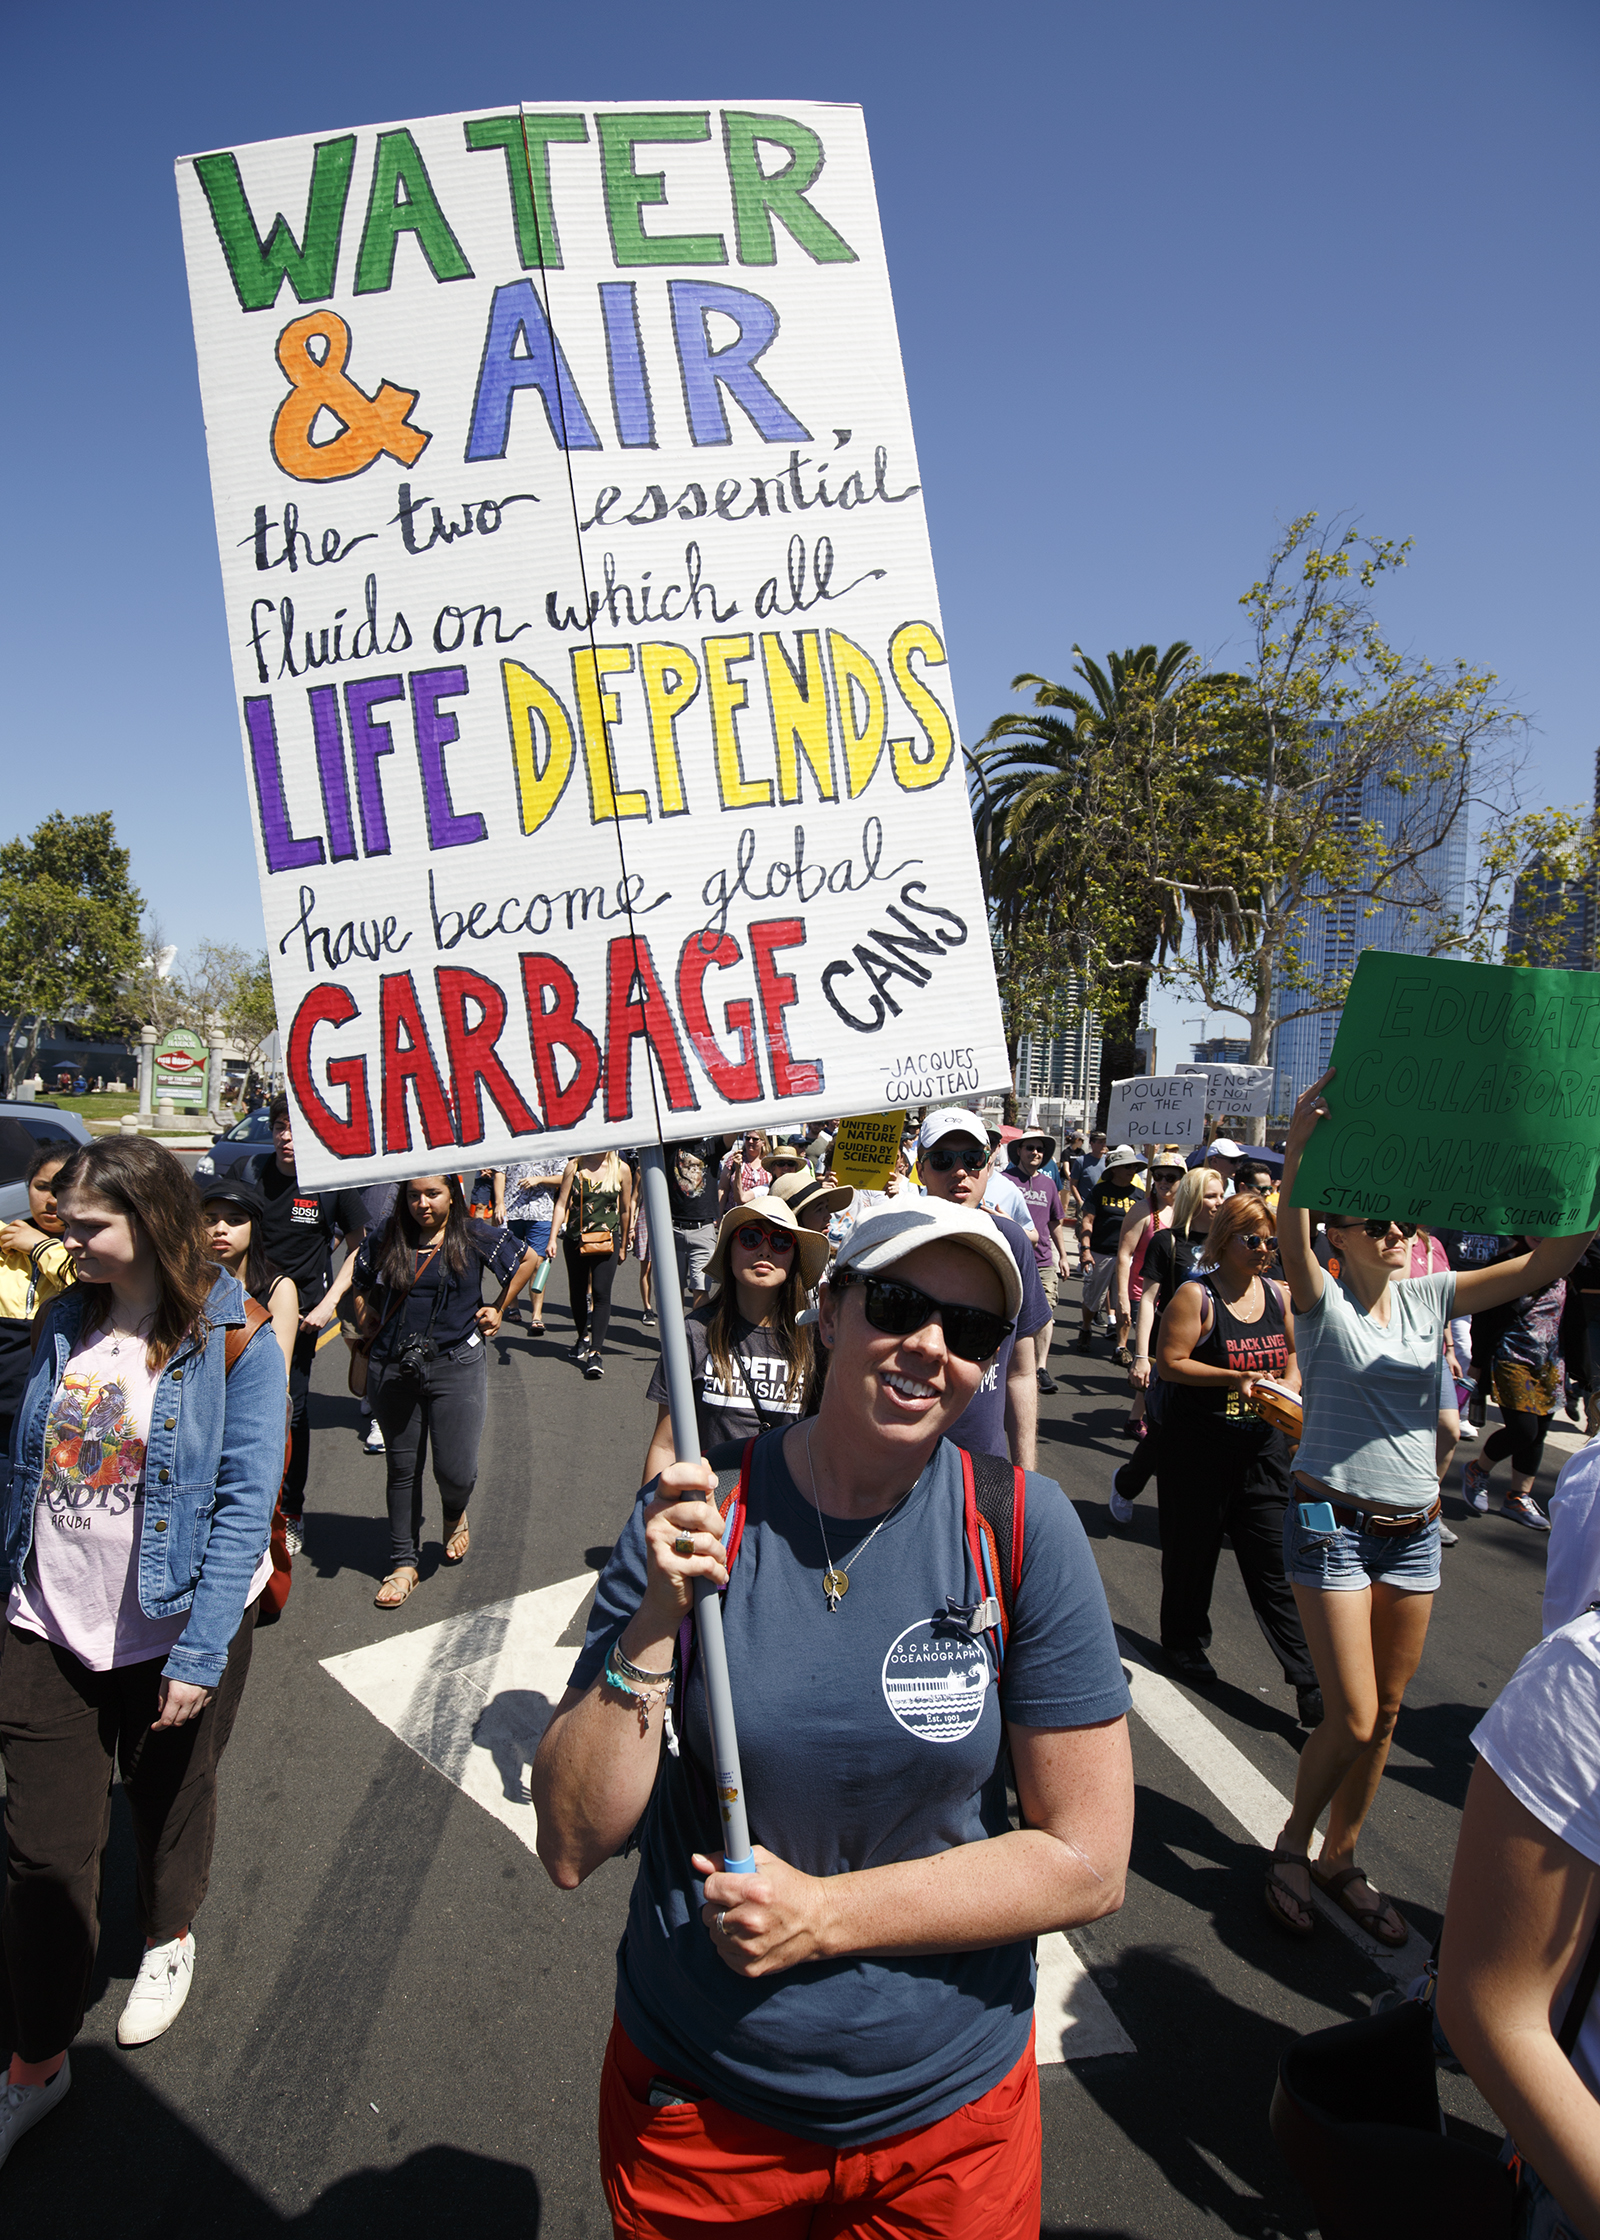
[(971, 1333), (752, 1237), (944, 1162), (1259, 1243), (1377, 1229)]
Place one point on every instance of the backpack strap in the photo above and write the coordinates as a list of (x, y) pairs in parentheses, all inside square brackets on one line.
[(996, 1521), (256, 1318)]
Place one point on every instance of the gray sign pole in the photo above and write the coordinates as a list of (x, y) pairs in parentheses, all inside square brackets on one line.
[(737, 1854)]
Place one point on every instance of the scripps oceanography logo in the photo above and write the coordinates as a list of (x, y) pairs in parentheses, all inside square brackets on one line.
[(935, 1683)]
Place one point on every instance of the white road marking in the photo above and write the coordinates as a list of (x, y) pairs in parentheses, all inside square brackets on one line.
[(1246, 1794), (473, 1694)]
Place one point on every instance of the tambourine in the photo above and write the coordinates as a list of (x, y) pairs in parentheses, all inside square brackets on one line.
[(1277, 1405)]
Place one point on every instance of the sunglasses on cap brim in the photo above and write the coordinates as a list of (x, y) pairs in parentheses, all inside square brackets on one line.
[(971, 1333)]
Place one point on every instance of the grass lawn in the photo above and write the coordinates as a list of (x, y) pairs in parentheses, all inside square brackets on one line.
[(107, 1110)]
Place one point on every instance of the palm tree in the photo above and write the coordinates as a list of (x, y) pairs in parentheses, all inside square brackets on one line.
[(1058, 797)]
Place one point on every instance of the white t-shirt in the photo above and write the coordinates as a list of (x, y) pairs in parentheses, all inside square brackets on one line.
[(1372, 1394), (1572, 1553), (81, 1585), (1541, 1735)]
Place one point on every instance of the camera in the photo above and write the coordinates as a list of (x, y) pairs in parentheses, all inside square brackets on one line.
[(412, 1355)]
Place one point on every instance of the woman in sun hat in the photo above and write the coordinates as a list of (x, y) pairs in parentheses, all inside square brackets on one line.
[(847, 2032), (749, 1353), (1107, 1206)]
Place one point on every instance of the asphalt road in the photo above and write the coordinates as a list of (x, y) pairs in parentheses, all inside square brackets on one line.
[(397, 2023)]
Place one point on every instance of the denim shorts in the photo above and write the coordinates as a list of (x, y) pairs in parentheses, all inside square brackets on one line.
[(1346, 1560)]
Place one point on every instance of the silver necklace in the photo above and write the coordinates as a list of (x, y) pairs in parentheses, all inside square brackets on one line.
[(141, 1329), (836, 1579)]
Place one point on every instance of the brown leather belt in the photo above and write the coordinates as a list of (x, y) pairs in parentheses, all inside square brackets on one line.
[(1383, 1521)]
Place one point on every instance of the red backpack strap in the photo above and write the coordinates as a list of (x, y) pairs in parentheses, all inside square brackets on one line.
[(996, 1515), (738, 1500)]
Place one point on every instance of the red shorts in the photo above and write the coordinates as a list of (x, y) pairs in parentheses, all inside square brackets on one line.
[(669, 2173)]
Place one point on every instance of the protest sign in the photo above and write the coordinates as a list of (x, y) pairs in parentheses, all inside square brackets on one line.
[(867, 1148), (1465, 1096), (592, 684), (180, 1063), (1157, 1108), (1237, 1092)]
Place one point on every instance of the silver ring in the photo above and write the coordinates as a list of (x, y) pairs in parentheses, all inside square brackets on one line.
[(721, 1918), (683, 1545)]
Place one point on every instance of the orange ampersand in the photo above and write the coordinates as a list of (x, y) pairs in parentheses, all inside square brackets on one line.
[(370, 426)]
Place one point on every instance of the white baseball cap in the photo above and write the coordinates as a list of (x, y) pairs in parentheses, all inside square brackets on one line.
[(953, 1120), (1224, 1147), (886, 1237)]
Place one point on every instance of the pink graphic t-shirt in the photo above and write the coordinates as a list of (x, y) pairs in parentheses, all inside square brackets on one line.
[(81, 1585)]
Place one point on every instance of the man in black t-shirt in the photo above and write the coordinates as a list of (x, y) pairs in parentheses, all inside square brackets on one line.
[(299, 1229), (692, 1194)]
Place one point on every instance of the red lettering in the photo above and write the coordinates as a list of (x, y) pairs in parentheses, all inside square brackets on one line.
[(349, 1137), (411, 1061), (475, 1063), (628, 961), (558, 1027), (791, 1076), (737, 1079)]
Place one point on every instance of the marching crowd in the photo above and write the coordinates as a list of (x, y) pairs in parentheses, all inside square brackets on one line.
[(867, 1369)]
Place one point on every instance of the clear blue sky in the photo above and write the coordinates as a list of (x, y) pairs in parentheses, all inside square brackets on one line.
[(1166, 276)]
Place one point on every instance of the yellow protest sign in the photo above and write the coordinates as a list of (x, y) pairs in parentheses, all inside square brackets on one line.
[(866, 1149)]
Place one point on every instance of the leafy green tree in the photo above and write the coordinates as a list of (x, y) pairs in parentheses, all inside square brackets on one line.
[(69, 932)]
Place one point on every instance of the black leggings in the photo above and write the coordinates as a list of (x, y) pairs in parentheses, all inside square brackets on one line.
[(1522, 1437), (600, 1271)]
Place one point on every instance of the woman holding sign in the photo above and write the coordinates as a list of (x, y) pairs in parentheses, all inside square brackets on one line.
[(842, 2041), (1361, 1534)]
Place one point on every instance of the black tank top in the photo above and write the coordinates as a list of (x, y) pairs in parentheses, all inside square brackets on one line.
[(1260, 1346)]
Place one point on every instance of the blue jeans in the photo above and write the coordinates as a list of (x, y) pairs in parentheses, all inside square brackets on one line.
[(1346, 1560)]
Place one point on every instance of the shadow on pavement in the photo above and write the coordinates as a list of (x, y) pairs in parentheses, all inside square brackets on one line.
[(1200, 2120), (114, 2157)]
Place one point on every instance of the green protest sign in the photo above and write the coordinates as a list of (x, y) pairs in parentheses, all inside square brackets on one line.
[(1465, 1096)]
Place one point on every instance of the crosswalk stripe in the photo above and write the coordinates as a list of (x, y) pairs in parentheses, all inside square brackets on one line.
[(1244, 1793)]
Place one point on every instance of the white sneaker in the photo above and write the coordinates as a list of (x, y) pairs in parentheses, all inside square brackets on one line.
[(374, 1444), (159, 1990), (294, 1535), (1121, 1506), (21, 2105)]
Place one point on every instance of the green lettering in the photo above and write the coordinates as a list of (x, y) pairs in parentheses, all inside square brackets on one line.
[(760, 196), (627, 190), (398, 164), (528, 171), (259, 268)]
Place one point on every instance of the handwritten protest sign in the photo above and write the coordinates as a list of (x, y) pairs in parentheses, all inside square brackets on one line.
[(1465, 1096), (1158, 1108), (867, 1148), (592, 683), (1236, 1091)]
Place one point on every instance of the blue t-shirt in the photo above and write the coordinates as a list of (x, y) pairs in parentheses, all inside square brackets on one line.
[(981, 1426), (867, 1735)]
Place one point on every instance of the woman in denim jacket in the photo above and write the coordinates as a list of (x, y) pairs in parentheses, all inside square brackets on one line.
[(134, 1525)]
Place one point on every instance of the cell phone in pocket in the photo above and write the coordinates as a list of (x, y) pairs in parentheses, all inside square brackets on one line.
[(665, 2094), (1317, 1516)]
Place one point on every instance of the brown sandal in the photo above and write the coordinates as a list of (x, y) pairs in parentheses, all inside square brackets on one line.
[(457, 1538), (1276, 1890), (384, 1600), (1337, 1887)]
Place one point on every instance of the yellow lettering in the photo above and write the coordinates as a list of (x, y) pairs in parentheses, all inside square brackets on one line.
[(862, 723), (597, 712), (911, 768), (799, 705), (728, 694), (671, 679), (530, 699)]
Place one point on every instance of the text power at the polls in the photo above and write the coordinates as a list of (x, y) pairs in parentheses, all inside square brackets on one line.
[(583, 806), (1158, 1108)]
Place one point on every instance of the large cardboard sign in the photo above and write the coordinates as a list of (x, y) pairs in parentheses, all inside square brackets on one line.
[(1157, 1108), (1464, 1096), (1236, 1092), (591, 677)]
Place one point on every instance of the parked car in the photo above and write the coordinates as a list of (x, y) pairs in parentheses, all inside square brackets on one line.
[(23, 1127), (246, 1139)]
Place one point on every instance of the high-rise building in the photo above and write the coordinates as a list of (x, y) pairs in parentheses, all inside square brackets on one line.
[(1336, 931), (1062, 1068), (1556, 922)]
